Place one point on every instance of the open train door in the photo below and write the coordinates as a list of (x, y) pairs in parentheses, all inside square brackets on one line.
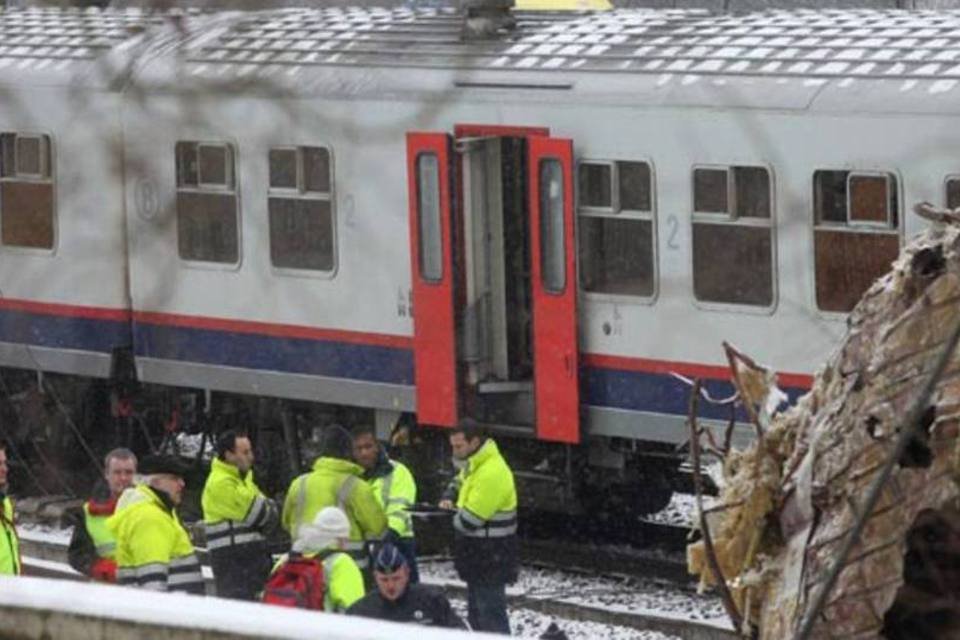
[(432, 268), (554, 288)]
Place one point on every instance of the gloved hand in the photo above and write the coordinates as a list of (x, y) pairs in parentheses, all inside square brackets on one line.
[(104, 570)]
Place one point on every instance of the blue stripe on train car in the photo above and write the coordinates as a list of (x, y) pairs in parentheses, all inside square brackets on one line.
[(657, 393), (63, 332), (369, 363)]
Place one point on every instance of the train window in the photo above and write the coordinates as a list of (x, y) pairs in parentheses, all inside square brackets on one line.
[(428, 212), (710, 190), (26, 191), (616, 244), (594, 186), (856, 234), (733, 236), (552, 255), (953, 193), (283, 168), (300, 209), (207, 203)]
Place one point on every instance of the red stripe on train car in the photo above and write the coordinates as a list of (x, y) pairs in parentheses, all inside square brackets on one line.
[(688, 369), (272, 329), (65, 310)]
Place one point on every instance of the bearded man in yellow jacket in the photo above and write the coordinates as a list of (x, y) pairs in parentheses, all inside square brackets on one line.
[(153, 549)]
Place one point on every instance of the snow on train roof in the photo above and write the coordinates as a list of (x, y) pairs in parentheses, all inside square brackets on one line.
[(828, 44), (814, 47)]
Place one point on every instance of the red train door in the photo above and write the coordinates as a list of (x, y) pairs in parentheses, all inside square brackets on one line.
[(430, 180), (554, 288)]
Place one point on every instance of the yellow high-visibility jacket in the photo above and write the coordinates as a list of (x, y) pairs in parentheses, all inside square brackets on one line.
[(10, 544), (334, 482), (485, 525), (153, 549)]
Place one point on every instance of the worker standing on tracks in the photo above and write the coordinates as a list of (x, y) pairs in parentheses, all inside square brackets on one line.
[(393, 487), (10, 545), (336, 481), (237, 518), (92, 550), (153, 549), (485, 526)]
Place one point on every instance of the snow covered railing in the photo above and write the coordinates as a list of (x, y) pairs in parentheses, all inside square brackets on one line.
[(42, 608)]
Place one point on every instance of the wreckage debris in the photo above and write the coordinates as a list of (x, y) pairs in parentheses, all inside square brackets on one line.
[(792, 499)]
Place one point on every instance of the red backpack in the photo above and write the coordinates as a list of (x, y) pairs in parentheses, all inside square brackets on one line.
[(298, 582)]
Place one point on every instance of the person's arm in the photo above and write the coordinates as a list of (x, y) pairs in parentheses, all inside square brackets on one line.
[(367, 511), (403, 495), (81, 554), (289, 505), (448, 499), (345, 584)]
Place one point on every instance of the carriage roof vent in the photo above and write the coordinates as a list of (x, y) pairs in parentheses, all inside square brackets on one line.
[(486, 19)]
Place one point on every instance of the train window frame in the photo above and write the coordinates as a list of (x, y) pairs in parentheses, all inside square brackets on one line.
[(614, 182), (731, 218), (430, 278), (894, 227), (47, 176), (951, 177), (233, 188), (554, 277), (617, 212), (889, 179), (300, 192)]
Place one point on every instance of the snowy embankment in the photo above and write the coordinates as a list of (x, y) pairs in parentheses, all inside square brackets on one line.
[(43, 608)]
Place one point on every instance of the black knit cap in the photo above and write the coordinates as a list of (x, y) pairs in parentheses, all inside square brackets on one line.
[(163, 464)]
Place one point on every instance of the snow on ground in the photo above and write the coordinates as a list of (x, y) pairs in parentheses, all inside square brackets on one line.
[(682, 510), (622, 595), (44, 533), (525, 623)]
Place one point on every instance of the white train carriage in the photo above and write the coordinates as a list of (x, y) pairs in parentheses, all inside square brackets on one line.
[(541, 230), (64, 299)]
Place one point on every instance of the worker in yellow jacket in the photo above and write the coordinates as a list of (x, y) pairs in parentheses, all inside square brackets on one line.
[(336, 481), (393, 487), (10, 542), (153, 549), (324, 539), (237, 518), (485, 526)]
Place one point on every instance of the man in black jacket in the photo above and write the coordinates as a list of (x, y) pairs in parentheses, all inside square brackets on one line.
[(397, 600), (91, 550)]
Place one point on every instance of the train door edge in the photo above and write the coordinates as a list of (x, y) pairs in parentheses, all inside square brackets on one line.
[(554, 288), (431, 180)]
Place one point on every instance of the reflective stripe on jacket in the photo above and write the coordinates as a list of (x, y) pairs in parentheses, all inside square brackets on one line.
[(96, 525), (235, 511), (10, 544), (153, 549), (396, 492), (334, 482)]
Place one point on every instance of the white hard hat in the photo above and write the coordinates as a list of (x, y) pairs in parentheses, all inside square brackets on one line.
[(328, 525)]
